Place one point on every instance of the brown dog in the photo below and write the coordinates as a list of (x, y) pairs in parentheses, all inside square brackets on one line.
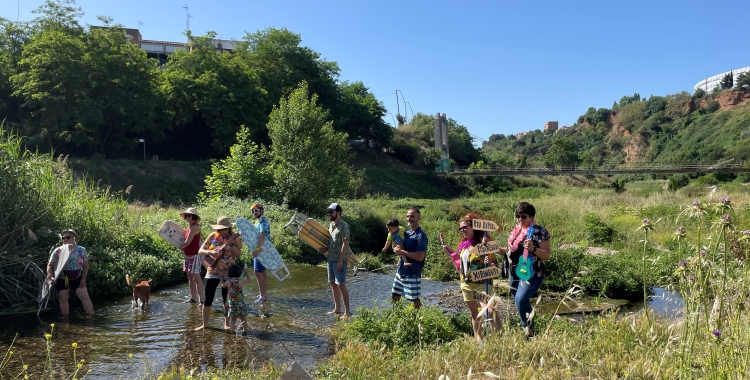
[(141, 291)]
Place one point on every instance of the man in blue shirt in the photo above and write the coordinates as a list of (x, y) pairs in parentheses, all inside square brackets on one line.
[(408, 280)]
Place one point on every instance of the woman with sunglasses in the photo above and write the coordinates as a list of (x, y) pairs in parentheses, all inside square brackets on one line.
[(538, 247), (467, 262), (192, 261), (264, 226), (73, 276), (222, 249)]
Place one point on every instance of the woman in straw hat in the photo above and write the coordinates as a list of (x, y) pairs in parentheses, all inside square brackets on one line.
[(221, 249), (192, 262), (73, 277)]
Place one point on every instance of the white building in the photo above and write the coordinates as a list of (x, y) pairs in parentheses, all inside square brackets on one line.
[(710, 83)]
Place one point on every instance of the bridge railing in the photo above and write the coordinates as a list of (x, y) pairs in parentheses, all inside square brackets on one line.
[(635, 167)]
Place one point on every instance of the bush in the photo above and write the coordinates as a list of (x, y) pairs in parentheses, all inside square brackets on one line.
[(678, 181), (597, 232), (403, 329)]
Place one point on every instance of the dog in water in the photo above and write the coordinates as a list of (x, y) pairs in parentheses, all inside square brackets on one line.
[(141, 291)]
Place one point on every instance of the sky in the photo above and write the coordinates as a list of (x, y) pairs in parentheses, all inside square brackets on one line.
[(495, 66)]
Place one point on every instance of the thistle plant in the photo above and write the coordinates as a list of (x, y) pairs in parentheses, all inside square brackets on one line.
[(680, 235), (645, 226)]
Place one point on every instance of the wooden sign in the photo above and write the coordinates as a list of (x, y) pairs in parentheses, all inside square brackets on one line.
[(485, 273), (484, 225), (486, 249), (481, 296)]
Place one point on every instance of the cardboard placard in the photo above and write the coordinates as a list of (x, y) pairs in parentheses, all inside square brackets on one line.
[(485, 274), (486, 249), (484, 225), (481, 296)]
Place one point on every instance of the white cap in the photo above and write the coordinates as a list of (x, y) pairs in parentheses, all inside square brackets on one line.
[(334, 206)]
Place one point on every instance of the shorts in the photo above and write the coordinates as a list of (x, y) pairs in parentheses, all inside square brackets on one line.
[(467, 290), (338, 276), (257, 266), (408, 286), (192, 264), (72, 284)]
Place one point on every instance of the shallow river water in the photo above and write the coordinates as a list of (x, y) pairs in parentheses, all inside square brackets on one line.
[(162, 335)]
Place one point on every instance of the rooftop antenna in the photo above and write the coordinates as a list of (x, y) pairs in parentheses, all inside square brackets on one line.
[(139, 25), (188, 16)]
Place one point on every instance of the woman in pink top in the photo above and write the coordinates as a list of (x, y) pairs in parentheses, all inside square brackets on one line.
[(192, 262)]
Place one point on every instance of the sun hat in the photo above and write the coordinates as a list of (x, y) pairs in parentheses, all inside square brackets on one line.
[(335, 206), (190, 210), (69, 230), (222, 223), (258, 206)]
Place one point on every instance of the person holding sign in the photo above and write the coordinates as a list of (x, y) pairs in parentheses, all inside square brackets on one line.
[(470, 260), (528, 248)]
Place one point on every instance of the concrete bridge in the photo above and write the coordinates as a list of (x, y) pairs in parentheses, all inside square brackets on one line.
[(726, 166)]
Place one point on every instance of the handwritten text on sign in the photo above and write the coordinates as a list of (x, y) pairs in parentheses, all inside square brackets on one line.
[(485, 274), (484, 225), (486, 249)]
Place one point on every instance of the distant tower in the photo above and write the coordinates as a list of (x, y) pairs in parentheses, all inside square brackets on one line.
[(441, 134)]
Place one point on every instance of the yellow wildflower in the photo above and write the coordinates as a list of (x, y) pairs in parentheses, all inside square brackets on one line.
[(52, 325), (131, 356), (25, 367), (75, 345), (48, 336)]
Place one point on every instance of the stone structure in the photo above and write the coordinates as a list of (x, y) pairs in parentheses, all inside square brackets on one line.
[(550, 126), (441, 134)]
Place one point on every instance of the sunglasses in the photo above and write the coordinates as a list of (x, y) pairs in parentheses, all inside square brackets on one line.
[(67, 237), (330, 212), (523, 217), (464, 228), (188, 216)]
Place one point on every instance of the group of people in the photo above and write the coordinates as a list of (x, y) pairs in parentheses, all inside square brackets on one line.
[(221, 249), (219, 252), (520, 242)]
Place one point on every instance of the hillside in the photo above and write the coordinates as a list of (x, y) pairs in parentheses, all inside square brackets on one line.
[(678, 128), (179, 182)]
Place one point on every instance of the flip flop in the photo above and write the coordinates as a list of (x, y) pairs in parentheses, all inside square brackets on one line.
[(189, 301)]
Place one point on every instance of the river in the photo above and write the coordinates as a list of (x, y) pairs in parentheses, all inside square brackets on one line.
[(122, 342)]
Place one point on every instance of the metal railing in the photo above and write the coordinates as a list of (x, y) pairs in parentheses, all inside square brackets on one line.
[(724, 166)]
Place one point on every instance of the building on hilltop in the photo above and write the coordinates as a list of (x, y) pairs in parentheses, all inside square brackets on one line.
[(162, 49), (550, 126), (712, 82)]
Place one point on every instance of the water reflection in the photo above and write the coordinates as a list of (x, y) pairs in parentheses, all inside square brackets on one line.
[(162, 335)]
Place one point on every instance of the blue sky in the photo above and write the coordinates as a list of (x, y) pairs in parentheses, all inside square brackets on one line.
[(497, 66)]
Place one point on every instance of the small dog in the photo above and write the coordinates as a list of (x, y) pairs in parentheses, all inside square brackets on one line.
[(141, 291)]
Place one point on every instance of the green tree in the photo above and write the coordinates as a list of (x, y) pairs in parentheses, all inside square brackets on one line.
[(122, 93), (53, 83), (727, 81), (653, 105), (361, 115), (282, 63), (562, 152), (461, 144), (209, 95), (743, 81), (13, 37), (246, 173), (310, 159)]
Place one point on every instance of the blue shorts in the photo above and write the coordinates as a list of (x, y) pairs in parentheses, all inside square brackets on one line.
[(408, 286), (338, 276), (257, 266)]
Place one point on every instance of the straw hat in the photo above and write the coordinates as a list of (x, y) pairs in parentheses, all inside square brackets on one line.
[(222, 223), (190, 210), (70, 231)]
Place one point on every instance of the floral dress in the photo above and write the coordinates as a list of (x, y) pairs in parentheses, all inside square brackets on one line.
[(235, 299)]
